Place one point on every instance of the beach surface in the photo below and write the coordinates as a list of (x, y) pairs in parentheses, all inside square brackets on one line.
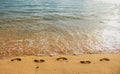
[(62, 64)]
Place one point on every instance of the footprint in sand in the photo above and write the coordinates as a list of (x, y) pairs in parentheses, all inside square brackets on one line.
[(85, 62), (39, 61), (104, 59), (62, 58), (16, 59), (37, 67)]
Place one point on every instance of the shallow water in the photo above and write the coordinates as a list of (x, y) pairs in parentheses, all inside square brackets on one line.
[(51, 27)]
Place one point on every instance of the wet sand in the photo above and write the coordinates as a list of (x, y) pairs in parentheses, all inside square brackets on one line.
[(62, 64), (16, 42)]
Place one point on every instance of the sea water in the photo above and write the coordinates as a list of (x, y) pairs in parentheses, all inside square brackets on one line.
[(51, 27)]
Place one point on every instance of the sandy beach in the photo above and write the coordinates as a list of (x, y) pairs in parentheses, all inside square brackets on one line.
[(59, 36), (62, 64)]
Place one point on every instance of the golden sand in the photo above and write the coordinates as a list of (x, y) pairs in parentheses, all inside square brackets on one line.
[(62, 64)]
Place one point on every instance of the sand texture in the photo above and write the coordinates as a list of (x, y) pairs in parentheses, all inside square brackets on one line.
[(62, 64)]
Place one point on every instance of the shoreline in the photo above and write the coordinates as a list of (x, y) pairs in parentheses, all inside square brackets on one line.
[(54, 55), (62, 64)]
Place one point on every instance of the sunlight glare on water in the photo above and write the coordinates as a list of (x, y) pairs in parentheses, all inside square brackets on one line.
[(111, 1)]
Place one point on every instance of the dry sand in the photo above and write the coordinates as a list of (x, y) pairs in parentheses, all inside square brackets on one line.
[(68, 64)]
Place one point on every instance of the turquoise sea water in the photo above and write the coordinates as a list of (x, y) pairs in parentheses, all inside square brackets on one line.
[(46, 27), (37, 8)]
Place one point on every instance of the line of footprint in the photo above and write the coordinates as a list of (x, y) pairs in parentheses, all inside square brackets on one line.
[(58, 59)]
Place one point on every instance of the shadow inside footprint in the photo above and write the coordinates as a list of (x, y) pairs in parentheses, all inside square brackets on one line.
[(37, 67), (39, 61), (17, 59), (85, 62), (36, 60), (104, 59), (61, 58)]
